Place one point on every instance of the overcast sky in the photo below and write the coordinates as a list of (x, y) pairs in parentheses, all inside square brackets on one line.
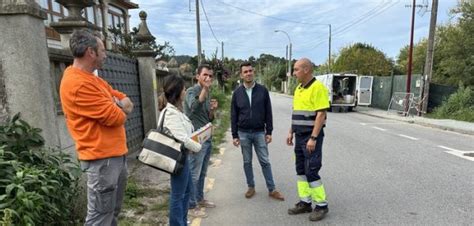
[(247, 26)]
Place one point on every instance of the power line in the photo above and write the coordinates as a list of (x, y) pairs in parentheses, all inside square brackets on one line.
[(207, 19), (272, 17), (339, 32), (351, 26), (348, 24)]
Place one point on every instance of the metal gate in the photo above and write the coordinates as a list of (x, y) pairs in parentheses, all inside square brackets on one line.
[(122, 73)]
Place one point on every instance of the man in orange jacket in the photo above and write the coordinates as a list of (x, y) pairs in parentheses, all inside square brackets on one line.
[(95, 115)]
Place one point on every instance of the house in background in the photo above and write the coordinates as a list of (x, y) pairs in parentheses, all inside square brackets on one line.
[(105, 14)]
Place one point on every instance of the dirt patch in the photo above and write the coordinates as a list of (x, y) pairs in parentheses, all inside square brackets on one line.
[(147, 196)]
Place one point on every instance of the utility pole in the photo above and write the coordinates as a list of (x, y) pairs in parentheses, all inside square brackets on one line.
[(289, 60), (198, 31), (329, 55), (222, 51), (286, 58), (429, 58), (410, 57)]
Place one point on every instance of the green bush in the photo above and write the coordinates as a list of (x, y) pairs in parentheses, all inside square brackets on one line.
[(459, 106), (38, 184), (222, 121)]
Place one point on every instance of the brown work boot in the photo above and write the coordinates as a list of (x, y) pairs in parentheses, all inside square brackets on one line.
[(318, 213), (276, 195), (250, 192), (300, 207)]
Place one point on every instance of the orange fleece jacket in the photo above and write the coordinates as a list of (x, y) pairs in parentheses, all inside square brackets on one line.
[(94, 120)]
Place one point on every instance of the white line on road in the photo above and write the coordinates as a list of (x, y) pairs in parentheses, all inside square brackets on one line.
[(411, 138), (460, 155), (381, 129), (450, 149), (375, 123)]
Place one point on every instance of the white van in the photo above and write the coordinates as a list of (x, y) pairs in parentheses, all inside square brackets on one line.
[(346, 91)]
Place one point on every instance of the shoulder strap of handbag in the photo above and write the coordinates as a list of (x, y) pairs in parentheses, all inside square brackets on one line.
[(160, 125)]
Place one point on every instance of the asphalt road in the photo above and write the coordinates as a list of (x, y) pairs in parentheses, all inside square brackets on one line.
[(375, 171)]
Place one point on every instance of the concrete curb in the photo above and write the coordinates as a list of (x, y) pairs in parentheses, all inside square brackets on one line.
[(426, 124)]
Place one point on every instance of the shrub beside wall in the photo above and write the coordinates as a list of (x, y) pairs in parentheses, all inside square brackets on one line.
[(459, 106), (38, 185)]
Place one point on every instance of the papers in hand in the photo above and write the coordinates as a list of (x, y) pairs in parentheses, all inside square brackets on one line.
[(202, 134)]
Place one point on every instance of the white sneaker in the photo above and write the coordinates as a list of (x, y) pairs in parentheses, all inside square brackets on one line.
[(197, 213)]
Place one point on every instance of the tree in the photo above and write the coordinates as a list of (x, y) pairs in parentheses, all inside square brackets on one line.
[(453, 60), (455, 49), (362, 59), (419, 56)]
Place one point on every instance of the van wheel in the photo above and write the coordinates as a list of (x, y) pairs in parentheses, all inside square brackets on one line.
[(350, 109)]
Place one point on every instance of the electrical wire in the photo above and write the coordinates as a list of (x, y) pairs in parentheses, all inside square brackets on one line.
[(263, 15), (340, 32), (346, 25), (208, 23)]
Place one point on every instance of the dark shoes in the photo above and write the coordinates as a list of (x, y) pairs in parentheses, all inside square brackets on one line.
[(276, 195), (318, 213), (250, 193), (301, 207)]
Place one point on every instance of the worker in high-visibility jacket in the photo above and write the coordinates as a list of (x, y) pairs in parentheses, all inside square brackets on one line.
[(310, 103)]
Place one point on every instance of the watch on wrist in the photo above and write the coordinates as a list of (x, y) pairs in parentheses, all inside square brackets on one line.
[(313, 138)]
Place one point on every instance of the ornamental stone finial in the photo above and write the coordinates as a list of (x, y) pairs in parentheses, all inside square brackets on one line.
[(144, 37)]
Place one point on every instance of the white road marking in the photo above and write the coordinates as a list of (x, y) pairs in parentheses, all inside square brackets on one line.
[(460, 155), (381, 129), (411, 138), (375, 123), (450, 149)]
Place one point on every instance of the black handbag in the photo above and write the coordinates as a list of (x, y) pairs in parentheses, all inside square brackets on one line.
[(162, 151)]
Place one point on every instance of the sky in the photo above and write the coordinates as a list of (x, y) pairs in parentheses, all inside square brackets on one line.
[(247, 27)]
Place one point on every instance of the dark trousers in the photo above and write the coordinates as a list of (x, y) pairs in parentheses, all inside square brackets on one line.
[(308, 164)]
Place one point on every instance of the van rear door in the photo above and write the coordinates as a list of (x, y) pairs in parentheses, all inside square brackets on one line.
[(364, 93)]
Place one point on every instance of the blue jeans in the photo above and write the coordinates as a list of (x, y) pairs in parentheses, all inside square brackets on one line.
[(257, 139), (199, 162), (181, 185)]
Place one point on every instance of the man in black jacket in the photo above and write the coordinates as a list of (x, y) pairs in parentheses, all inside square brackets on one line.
[(252, 125)]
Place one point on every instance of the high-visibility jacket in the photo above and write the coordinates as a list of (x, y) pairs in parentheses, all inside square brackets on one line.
[(307, 100)]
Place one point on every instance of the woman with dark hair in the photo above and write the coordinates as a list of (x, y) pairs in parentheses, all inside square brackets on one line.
[(179, 125)]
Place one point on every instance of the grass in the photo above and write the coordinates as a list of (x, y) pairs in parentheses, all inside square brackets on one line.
[(142, 201)]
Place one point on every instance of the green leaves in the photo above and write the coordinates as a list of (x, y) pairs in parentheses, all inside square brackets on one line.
[(453, 60), (32, 176), (459, 106), (363, 59)]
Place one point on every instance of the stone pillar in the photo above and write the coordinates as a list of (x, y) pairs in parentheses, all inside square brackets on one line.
[(25, 81), (147, 74), (105, 24), (74, 21)]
